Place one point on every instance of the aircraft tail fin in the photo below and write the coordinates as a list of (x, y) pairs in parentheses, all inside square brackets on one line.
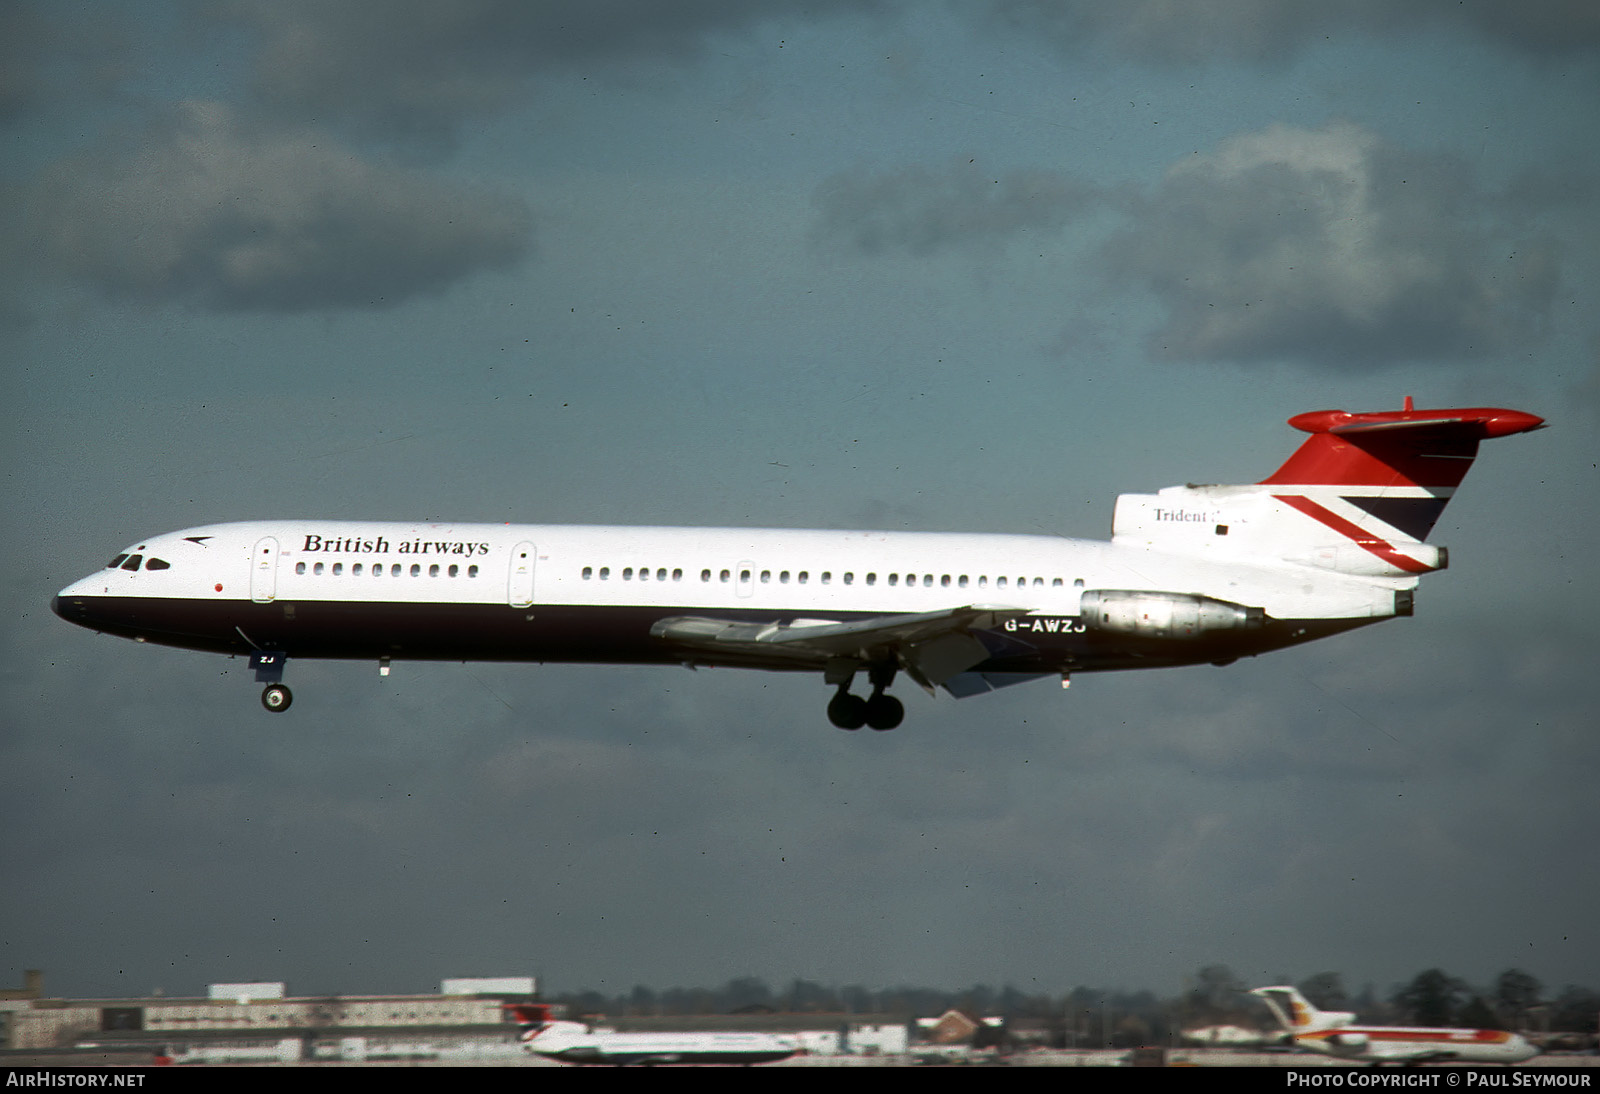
[(1296, 1014), (1399, 467), (1358, 497), (530, 1016)]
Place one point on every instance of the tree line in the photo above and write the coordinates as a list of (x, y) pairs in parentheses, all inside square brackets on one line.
[(1515, 1000)]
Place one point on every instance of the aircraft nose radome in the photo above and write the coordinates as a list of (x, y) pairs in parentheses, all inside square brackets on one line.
[(55, 605)]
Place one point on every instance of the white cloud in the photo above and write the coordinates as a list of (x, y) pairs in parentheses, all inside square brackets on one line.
[(1331, 246)]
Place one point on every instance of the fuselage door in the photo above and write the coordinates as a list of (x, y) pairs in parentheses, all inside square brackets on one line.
[(519, 593), (264, 571)]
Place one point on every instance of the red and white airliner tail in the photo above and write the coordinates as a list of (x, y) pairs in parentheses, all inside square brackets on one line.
[(1193, 574), (579, 1043), (1333, 1033)]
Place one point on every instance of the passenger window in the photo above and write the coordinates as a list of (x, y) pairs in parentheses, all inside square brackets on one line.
[(394, 571), (803, 577), (338, 569), (627, 573), (605, 573), (945, 581), (416, 569), (317, 569), (927, 581), (472, 571), (661, 574), (766, 576), (1000, 583), (588, 572), (894, 579), (962, 581), (299, 567), (455, 570), (355, 571), (725, 576), (872, 579), (849, 578), (677, 575), (1055, 583), (827, 577), (705, 575), (433, 570), (783, 578)]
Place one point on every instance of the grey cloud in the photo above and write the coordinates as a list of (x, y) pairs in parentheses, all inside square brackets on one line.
[(45, 58), (920, 211), (415, 69), (231, 217), (1333, 247), (1162, 32)]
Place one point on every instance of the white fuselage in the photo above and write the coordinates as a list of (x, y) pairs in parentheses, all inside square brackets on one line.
[(737, 568), (591, 593), (573, 1042), (1398, 1044)]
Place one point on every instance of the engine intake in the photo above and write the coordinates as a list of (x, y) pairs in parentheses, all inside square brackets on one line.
[(1164, 615)]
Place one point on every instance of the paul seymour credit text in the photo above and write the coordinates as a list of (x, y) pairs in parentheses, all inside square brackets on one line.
[(1453, 1077)]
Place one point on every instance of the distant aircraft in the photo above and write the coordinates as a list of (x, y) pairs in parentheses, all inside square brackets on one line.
[(578, 1043), (1332, 1034), (1329, 542)]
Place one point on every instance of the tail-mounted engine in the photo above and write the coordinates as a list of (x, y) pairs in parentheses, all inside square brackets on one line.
[(1164, 615)]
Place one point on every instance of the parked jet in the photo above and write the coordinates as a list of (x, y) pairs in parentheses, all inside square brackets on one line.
[(1332, 1034), (1331, 541), (578, 1043)]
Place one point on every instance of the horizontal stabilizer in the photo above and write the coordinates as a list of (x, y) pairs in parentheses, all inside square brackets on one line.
[(1395, 448)]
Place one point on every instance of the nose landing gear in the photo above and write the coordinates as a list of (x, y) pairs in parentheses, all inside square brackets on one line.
[(268, 665)]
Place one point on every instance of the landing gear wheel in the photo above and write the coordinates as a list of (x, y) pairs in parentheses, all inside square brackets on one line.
[(847, 711), (884, 711), (276, 698)]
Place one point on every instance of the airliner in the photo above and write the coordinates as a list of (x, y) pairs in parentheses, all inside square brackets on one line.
[(1331, 541), (1331, 1033), (579, 1043)]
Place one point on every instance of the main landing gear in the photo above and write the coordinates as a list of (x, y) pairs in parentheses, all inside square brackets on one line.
[(879, 711), (269, 670)]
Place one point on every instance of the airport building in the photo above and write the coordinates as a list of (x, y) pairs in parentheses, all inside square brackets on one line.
[(261, 1023)]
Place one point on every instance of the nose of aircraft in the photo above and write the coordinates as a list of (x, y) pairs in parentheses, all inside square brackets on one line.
[(68, 603)]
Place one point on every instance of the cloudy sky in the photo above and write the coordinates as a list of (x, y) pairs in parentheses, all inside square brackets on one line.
[(969, 266)]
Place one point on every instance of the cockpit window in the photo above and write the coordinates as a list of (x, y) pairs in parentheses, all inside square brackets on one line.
[(118, 561), (157, 564), (133, 562)]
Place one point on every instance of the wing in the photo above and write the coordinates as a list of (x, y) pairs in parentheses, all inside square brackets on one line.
[(931, 647)]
